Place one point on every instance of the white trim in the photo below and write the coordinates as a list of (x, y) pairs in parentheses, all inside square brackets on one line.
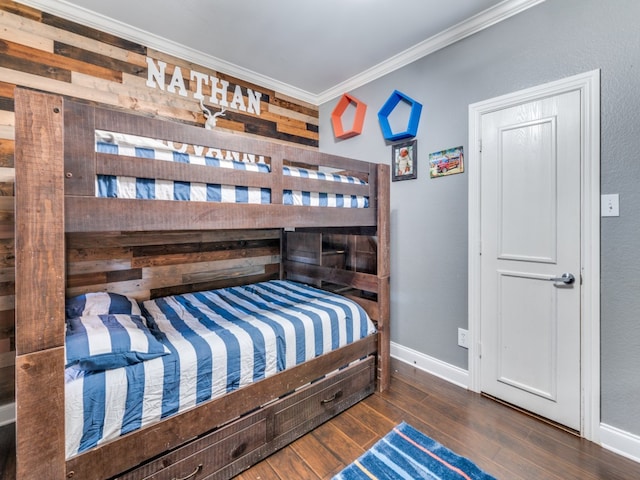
[(589, 86), (77, 13), (468, 27), (621, 442), (446, 371), (7, 414)]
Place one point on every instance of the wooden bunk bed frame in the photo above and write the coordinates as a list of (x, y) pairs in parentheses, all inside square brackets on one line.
[(56, 166)]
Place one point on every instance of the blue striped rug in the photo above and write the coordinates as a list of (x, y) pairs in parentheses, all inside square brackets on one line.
[(406, 453)]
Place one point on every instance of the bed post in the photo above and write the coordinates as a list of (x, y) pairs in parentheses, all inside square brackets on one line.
[(384, 238), (39, 285)]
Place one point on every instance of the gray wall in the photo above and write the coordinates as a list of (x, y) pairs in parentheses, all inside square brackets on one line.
[(555, 39)]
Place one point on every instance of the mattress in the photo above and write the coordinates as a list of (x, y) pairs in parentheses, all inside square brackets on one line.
[(216, 342), (150, 188)]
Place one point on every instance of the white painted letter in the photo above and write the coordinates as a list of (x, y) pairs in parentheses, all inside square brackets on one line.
[(177, 81), (254, 101), (238, 101), (200, 78), (155, 73), (222, 91)]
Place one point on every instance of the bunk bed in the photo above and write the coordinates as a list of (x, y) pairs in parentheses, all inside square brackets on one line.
[(85, 173)]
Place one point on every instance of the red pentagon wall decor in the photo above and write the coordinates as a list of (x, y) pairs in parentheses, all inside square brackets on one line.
[(358, 120)]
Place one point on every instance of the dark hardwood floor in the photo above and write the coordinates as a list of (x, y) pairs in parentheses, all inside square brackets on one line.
[(506, 443)]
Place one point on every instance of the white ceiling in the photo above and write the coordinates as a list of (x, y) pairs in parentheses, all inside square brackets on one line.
[(313, 50)]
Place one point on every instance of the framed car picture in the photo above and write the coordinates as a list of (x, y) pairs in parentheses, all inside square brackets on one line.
[(446, 162)]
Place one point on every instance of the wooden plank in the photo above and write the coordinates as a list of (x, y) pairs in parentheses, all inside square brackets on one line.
[(383, 221), (289, 103), (384, 272), (312, 185), (40, 405), (361, 281), (117, 67), (108, 164), (88, 241), (189, 271), (79, 149), (7, 148), (83, 260), (12, 29), (39, 222), (30, 66), (203, 256), (135, 215), (57, 60), (20, 9), (64, 88), (271, 272), (88, 32), (40, 263)]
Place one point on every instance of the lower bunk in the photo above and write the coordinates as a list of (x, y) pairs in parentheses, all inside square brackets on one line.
[(206, 384)]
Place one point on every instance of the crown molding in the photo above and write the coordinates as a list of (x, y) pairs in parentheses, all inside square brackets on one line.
[(479, 22), (83, 16), (464, 29)]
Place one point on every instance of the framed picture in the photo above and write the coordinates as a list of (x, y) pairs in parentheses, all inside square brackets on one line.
[(403, 161), (446, 162)]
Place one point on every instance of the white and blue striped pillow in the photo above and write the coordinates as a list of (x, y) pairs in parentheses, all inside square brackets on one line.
[(101, 303), (104, 342)]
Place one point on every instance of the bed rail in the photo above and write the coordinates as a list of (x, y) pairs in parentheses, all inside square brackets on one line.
[(82, 164)]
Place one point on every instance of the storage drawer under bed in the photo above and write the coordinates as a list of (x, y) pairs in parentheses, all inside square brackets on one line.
[(231, 449)]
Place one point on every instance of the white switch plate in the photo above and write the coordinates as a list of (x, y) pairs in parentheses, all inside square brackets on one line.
[(463, 337), (609, 205)]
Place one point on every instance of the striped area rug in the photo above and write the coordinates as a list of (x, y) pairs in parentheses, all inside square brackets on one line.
[(406, 453)]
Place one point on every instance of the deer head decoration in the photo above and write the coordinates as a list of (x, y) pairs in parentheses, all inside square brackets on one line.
[(210, 119)]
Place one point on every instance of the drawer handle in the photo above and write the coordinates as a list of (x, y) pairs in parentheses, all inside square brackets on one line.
[(333, 397), (191, 475), (240, 449)]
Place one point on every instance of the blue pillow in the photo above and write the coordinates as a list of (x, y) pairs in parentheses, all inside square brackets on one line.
[(101, 303), (103, 342)]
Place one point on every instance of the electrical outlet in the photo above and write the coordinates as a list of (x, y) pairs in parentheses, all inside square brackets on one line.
[(463, 338)]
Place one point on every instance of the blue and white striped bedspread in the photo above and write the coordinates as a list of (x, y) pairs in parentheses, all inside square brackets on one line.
[(158, 189), (220, 340)]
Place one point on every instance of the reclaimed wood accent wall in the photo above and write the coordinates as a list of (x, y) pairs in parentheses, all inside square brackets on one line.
[(48, 53), (150, 265)]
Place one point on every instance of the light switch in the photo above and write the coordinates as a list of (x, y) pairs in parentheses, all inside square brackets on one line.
[(609, 206)]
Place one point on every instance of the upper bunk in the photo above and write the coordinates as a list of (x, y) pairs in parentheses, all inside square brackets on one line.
[(278, 172)]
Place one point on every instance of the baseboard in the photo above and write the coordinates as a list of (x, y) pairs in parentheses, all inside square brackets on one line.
[(446, 371), (7, 414), (620, 442)]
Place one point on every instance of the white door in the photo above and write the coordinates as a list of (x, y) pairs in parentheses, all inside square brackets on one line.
[(530, 237)]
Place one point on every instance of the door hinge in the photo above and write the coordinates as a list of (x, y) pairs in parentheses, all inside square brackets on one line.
[(480, 145)]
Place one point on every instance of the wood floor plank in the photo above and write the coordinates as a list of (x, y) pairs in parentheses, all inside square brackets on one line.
[(357, 432), (339, 442), (286, 463), (260, 471), (318, 456)]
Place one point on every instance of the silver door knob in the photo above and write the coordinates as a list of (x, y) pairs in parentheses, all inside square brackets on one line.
[(566, 278)]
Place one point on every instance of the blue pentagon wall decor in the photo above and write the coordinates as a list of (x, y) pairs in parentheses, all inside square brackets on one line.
[(414, 117)]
